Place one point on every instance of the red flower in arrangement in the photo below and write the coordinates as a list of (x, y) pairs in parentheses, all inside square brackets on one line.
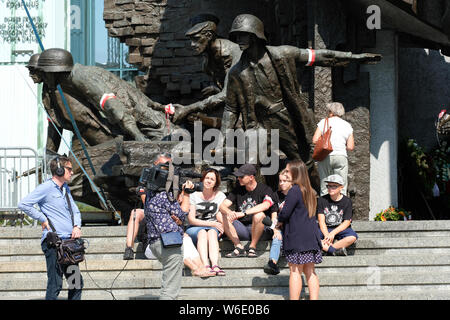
[(393, 214)]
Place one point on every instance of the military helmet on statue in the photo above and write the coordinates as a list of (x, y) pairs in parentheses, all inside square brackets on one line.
[(33, 62), (247, 23), (55, 60)]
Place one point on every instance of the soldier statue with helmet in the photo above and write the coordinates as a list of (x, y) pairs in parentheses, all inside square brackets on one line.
[(137, 116), (94, 127), (264, 89), (32, 68), (219, 54)]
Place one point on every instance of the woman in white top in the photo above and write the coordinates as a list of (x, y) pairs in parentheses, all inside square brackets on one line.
[(341, 141), (206, 221)]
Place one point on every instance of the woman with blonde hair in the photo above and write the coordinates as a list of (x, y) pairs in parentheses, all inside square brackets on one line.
[(301, 238), (342, 140)]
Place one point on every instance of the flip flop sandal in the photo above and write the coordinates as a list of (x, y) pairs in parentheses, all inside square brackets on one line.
[(219, 272), (240, 253), (209, 272), (252, 253)]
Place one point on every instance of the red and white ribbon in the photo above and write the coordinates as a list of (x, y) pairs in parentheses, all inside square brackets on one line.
[(170, 110), (311, 57), (441, 114), (105, 98)]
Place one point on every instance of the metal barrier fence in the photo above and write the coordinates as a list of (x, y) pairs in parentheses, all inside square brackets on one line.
[(21, 171)]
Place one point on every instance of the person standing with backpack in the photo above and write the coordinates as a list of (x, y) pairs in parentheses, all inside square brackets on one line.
[(342, 140)]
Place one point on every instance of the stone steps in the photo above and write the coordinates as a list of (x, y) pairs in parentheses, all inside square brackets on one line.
[(103, 249), (391, 260), (394, 228), (334, 263), (360, 281), (243, 295)]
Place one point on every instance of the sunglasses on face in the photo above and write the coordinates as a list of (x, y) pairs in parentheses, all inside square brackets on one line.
[(333, 187), (69, 169)]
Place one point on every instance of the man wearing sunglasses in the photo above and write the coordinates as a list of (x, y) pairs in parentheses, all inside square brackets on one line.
[(53, 198), (334, 212)]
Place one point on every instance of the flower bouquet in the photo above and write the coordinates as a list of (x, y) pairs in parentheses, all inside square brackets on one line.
[(393, 214)]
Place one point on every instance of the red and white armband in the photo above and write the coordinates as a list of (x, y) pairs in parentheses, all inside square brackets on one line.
[(268, 199), (311, 57), (105, 98)]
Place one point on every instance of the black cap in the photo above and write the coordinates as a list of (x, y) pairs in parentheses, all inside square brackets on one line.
[(246, 170)]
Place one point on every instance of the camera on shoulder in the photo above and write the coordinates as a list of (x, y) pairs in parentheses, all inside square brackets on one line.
[(155, 178)]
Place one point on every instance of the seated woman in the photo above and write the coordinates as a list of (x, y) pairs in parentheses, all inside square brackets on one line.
[(206, 221), (285, 184), (191, 258)]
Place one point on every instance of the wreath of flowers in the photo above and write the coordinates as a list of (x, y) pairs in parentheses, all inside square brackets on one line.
[(393, 214)]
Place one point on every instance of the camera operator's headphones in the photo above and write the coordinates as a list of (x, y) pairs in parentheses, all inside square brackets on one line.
[(59, 170)]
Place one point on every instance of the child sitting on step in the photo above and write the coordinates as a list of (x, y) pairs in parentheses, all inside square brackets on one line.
[(334, 212)]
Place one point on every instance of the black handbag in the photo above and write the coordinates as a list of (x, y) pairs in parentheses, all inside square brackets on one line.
[(71, 251), (68, 251), (171, 239)]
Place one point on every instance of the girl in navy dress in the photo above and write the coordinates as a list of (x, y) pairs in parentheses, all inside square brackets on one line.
[(301, 239)]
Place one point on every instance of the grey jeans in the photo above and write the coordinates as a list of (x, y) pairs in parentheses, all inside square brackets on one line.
[(172, 269), (332, 165)]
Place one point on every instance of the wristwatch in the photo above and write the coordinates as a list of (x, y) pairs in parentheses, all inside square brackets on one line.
[(244, 212)]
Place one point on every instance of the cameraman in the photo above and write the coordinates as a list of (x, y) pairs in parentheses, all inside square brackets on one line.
[(50, 196), (160, 209), (137, 215)]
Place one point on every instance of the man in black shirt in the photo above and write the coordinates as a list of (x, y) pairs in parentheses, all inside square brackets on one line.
[(334, 212), (253, 201)]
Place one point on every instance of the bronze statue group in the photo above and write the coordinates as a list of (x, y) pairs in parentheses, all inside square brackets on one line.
[(256, 86)]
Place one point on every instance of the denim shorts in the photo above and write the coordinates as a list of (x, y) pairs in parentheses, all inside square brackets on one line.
[(194, 230), (349, 232)]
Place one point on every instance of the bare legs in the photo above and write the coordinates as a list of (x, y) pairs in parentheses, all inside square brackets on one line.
[(208, 247), (136, 217), (295, 281), (343, 243), (257, 228)]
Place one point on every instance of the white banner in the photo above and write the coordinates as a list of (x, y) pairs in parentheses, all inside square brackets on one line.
[(17, 39)]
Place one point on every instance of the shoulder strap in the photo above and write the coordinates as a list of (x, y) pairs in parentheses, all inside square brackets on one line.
[(70, 210), (50, 223), (172, 181), (70, 207)]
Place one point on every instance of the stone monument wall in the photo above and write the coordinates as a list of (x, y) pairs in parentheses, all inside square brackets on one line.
[(154, 31)]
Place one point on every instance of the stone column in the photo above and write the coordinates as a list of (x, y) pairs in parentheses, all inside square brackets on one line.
[(383, 124)]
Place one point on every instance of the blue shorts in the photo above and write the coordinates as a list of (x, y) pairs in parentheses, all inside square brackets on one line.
[(349, 232), (194, 230)]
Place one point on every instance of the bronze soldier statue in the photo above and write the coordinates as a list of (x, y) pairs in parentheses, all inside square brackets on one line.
[(137, 116), (220, 55), (32, 64), (263, 86), (95, 128)]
